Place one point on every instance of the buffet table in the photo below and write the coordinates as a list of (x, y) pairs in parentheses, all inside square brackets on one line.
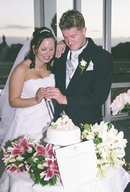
[(115, 181)]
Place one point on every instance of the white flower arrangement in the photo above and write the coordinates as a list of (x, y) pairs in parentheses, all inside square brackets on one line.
[(109, 145), (82, 65), (122, 101)]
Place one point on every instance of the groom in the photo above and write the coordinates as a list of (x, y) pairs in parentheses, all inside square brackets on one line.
[(83, 73)]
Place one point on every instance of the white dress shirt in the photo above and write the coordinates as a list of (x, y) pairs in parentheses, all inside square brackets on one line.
[(72, 63)]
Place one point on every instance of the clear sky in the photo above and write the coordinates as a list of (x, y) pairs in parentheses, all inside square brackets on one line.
[(17, 19)]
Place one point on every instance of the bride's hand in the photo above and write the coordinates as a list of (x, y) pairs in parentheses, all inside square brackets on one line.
[(39, 95), (60, 48)]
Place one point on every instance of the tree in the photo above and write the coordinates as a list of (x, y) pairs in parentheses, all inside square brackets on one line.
[(4, 40)]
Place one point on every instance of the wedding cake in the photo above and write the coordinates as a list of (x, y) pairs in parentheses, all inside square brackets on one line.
[(63, 132)]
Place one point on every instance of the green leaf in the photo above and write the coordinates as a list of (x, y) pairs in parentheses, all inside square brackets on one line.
[(17, 163), (54, 126), (126, 109), (109, 125), (36, 160), (26, 155), (97, 140), (87, 127)]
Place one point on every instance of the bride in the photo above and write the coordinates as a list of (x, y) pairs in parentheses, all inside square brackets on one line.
[(27, 112)]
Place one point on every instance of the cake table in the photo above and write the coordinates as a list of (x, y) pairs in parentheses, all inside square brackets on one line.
[(115, 181)]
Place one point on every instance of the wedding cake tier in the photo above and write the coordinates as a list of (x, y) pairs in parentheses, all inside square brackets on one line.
[(63, 132)]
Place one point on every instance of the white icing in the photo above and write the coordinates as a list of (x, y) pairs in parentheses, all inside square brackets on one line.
[(63, 137), (63, 132)]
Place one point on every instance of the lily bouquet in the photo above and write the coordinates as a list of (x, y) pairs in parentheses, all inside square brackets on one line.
[(38, 160), (109, 145), (121, 103)]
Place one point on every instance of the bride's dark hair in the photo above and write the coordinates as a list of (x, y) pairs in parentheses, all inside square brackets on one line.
[(38, 36)]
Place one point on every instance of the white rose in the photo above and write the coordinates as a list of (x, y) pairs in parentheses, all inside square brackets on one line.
[(83, 63)]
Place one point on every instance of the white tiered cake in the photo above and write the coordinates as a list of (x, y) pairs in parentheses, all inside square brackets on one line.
[(63, 132)]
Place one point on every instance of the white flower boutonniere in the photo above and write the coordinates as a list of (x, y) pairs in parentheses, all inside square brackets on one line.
[(82, 65)]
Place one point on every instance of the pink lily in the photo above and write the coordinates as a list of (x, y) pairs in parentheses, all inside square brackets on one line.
[(21, 147), (52, 169), (14, 168), (27, 166), (6, 156), (46, 151)]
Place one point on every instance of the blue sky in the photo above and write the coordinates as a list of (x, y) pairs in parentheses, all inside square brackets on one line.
[(17, 19)]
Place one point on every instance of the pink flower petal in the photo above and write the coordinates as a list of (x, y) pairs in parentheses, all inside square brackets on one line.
[(24, 144), (44, 151), (52, 169), (48, 174), (17, 151), (14, 168)]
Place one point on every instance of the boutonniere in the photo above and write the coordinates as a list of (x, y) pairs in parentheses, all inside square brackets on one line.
[(82, 65)]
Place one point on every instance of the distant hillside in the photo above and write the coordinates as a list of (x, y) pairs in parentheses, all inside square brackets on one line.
[(121, 51), (9, 53)]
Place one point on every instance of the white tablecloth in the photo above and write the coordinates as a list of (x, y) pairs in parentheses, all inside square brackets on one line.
[(115, 181)]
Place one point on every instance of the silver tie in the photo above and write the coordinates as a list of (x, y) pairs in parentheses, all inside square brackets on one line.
[(72, 63), (71, 66)]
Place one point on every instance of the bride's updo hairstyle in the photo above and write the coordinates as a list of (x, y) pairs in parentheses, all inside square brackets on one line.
[(38, 36)]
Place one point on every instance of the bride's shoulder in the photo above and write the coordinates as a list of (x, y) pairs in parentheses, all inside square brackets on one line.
[(21, 68), (24, 65)]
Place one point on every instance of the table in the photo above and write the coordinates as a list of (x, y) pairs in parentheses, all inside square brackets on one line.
[(115, 181)]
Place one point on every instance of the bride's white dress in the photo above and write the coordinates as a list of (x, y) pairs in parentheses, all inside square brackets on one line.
[(31, 121)]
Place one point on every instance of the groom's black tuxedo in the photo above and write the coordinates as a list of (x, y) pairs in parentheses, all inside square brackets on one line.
[(86, 92)]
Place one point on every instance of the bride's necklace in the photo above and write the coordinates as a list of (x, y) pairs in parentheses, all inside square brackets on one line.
[(38, 68)]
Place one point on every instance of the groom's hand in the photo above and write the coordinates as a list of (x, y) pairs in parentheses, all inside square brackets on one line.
[(54, 93)]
